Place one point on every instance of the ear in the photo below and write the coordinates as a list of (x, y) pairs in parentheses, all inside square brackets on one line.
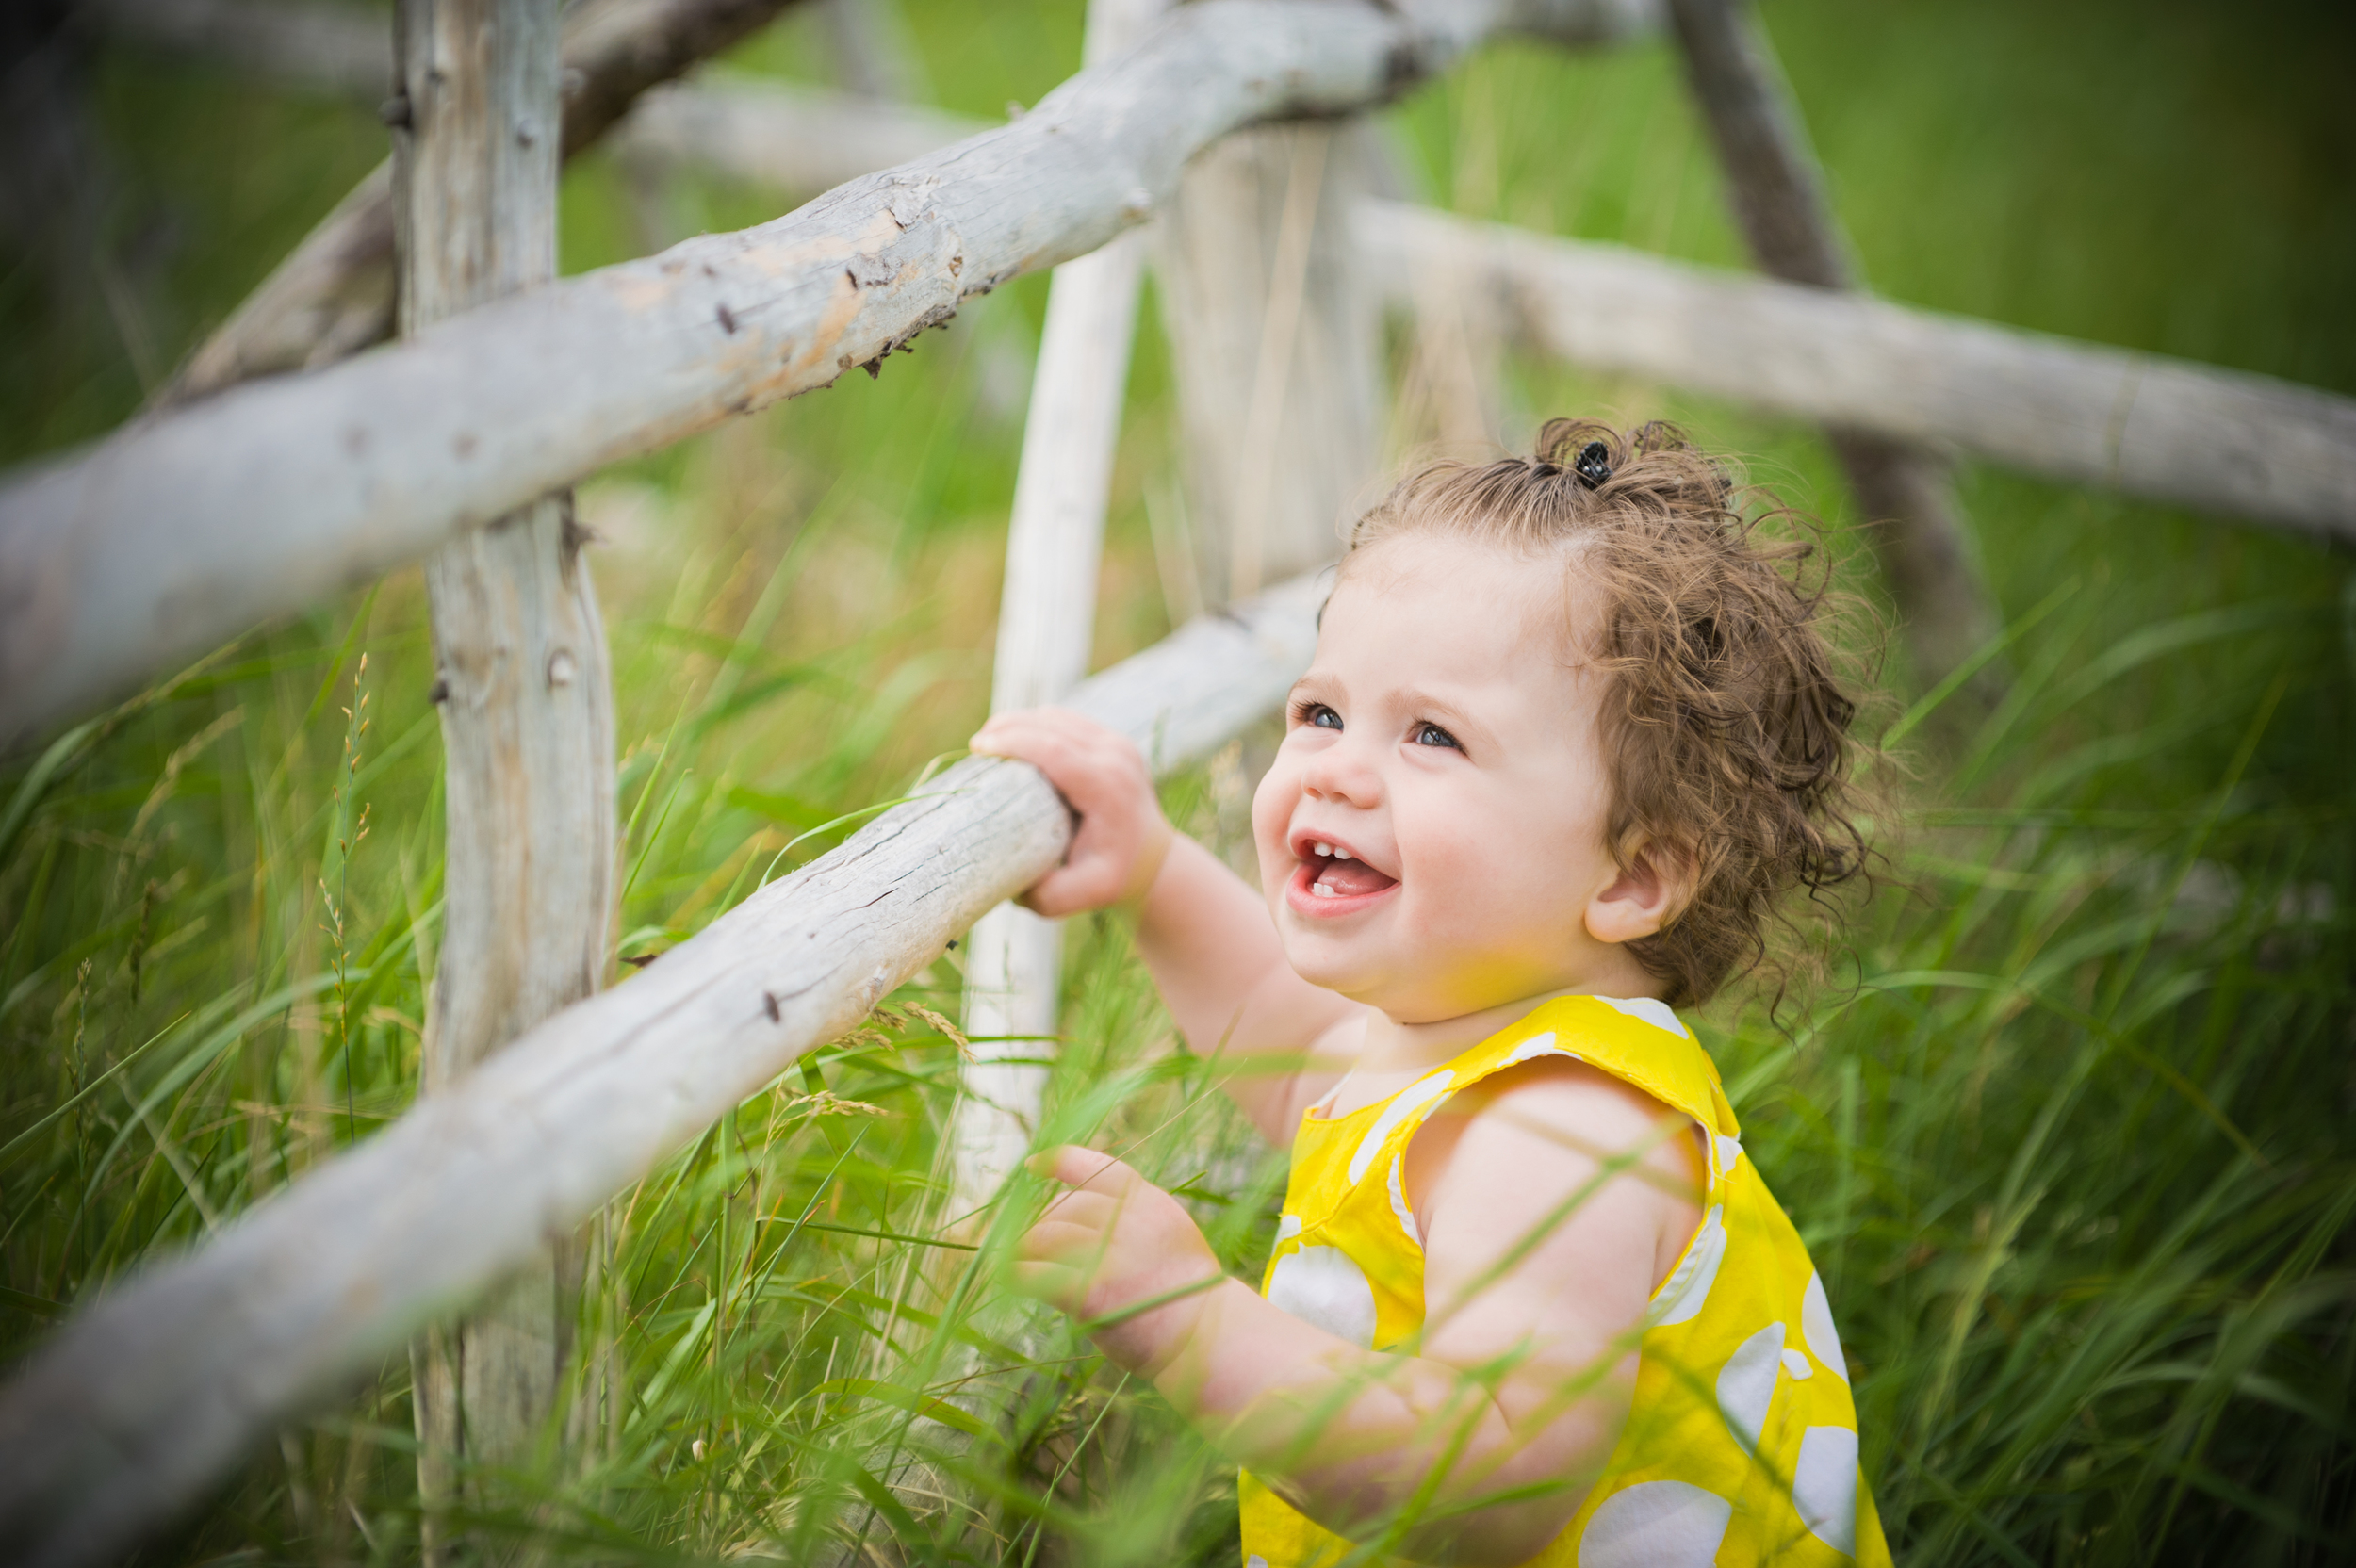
[(1652, 892)]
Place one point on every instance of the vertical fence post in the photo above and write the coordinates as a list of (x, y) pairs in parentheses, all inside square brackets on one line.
[(1274, 341), (1046, 623), (522, 682), (1779, 198)]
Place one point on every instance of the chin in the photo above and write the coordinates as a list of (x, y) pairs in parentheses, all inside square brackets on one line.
[(1315, 961)]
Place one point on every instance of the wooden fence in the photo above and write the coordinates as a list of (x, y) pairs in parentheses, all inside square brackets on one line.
[(192, 525), (151, 1393), (2240, 445)]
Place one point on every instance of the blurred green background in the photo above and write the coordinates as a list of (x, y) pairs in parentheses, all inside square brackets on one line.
[(2066, 1126)]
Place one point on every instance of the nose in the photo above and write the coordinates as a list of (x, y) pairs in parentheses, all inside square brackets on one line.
[(1342, 773)]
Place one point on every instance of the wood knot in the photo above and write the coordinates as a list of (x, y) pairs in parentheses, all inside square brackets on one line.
[(769, 1005), (562, 667)]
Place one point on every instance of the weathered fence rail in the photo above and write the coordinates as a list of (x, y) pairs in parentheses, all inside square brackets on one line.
[(151, 1393), (2167, 430), (188, 528), (2163, 429), (332, 294)]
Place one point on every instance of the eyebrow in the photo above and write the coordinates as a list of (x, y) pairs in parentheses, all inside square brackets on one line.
[(1434, 706)]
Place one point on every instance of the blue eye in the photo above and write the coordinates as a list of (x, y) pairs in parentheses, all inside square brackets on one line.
[(1432, 735), (1316, 715)]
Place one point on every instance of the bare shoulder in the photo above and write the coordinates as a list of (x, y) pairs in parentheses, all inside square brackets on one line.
[(1557, 1136)]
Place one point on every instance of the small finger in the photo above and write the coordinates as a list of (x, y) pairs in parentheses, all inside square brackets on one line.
[(1045, 1282), (1078, 1165), (1060, 1238), (1032, 724), (1067, 890)]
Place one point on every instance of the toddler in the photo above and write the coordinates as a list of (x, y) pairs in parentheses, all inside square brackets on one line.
[(1573, 728)]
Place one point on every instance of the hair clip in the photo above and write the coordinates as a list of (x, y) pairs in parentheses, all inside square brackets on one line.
[(1593, 465)]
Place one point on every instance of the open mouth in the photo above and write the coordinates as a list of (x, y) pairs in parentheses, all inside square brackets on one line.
[(1331, 879)]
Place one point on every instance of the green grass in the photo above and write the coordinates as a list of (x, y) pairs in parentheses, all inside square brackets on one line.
[(2066, 1132)]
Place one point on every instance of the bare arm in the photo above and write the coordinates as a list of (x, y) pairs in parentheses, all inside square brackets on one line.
[(1551, 1205), (1204, 933), (1213, 953)]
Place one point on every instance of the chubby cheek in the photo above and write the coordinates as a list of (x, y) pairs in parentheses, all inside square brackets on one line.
[(1271, 821), (1488, 898)]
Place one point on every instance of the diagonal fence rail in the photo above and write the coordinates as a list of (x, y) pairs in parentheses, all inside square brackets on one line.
[(186, 529), (191, 527), (156, 1390), (2170, 430)]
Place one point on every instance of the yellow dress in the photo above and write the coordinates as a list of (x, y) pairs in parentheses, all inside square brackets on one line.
[(1741, 1445)]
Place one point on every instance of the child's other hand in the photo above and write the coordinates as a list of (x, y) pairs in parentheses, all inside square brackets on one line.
[(1115, 1240), (1123, 838)]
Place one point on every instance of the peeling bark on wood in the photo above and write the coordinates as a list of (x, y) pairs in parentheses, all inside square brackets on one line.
[(333, 296), (191, 527), (527, 708), (154, 1391), (2165, 430), (1902, 495)]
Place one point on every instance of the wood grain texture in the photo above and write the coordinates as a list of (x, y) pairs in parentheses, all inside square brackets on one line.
[(333, 296), (152, 1392), (2165, 430), (525, 700), (1275, 346), (191, 527), (1903, 495)]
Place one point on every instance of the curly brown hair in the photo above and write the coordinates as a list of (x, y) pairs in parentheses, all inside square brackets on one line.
[(1726, 723)]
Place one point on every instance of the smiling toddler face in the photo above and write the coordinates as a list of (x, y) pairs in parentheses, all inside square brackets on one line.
[(1432, 832)]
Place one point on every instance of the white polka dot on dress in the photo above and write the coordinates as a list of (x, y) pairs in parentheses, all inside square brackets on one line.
[(1405, 1215), (1823, 1486), (1656, 1525), (1681, 1299), (1747, 1384), (1824, 1340), (1410, 1099), (1321, 1286), (1651, 1009)]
